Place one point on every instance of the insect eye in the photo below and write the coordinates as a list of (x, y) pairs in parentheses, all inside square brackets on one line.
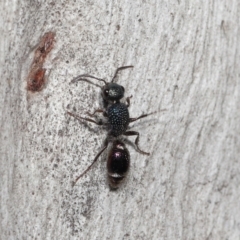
[(106, 92), (123, 89)]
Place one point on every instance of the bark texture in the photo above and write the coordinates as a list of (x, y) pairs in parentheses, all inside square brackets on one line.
[(186, 57)]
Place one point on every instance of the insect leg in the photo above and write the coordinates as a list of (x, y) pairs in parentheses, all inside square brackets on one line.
[(142, 116), (84, 118), (133, 133), (98, 111), (95, 159), (128, 100)]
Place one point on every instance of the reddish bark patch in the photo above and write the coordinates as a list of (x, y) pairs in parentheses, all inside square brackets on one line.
[(36, 77)]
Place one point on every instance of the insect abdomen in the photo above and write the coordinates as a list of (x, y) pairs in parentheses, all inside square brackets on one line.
[(118, 163)]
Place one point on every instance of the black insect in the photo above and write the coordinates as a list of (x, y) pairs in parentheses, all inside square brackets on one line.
[(118, 120)]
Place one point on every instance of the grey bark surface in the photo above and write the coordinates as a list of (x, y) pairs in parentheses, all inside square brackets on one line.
[(186, 57)]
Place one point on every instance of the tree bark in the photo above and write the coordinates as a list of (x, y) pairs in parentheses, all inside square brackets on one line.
[(186, 58)]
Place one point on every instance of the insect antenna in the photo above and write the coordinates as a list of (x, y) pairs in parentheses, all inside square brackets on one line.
[(119, 69), (83, 78)]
